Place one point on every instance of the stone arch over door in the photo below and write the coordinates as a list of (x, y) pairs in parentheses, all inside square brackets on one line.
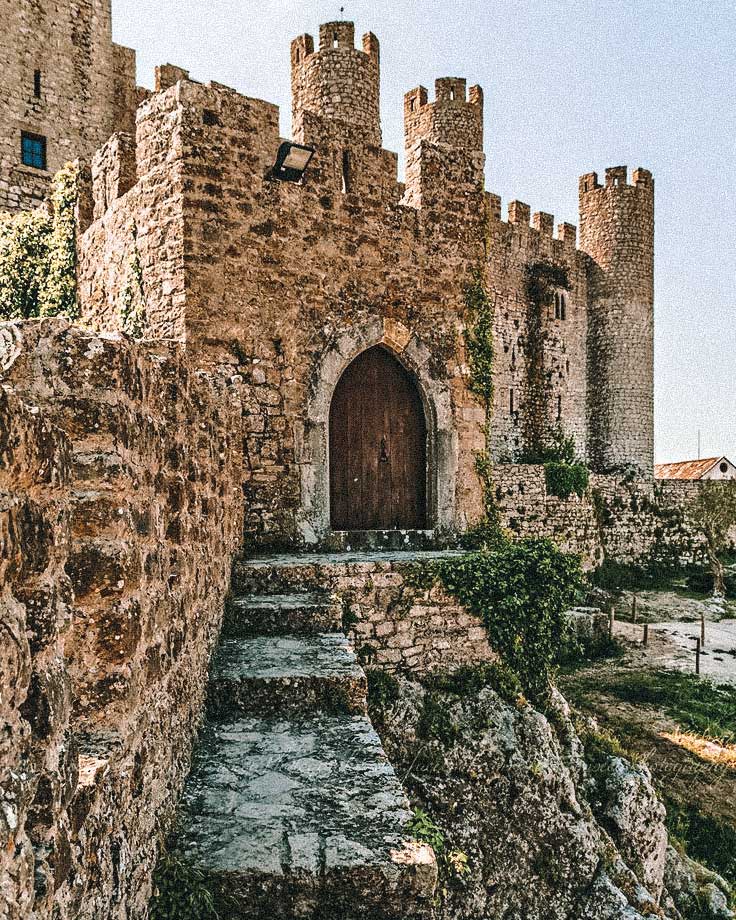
[(312, 436)]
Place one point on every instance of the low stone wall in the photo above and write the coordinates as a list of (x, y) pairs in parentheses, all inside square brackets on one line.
[(119, 524), (391, 617), (622, 519)]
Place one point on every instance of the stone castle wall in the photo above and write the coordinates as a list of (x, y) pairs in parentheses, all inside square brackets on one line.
[(621, 519), (121, 514), (301, 277), (617, 231), (87, 89)]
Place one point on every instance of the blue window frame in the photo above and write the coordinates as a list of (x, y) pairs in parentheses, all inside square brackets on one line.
[(33, 150)]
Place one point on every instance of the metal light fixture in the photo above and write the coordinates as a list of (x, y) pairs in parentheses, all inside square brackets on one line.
[(291, 162)]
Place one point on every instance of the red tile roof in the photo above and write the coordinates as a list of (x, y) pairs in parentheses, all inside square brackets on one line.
[(687, 469)]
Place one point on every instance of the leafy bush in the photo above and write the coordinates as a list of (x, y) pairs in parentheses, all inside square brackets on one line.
[(469, 680), (565, 478), (564, 473), (38, 261), (383, 688), (451, 863), (521, 591)]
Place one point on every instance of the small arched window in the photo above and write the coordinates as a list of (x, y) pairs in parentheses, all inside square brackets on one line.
[(557, 304), (563, 306), (512, 407), (559, 408)]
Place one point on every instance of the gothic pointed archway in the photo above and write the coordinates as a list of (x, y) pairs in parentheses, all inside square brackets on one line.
[(378, 447), (312, 434)]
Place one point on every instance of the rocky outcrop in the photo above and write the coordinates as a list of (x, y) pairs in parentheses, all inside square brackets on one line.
[(540, 837)]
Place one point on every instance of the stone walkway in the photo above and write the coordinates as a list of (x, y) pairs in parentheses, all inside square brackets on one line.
[(292, 809)]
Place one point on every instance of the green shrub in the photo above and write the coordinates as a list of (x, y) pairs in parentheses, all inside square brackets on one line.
[(565, 478), (521, 591), (469, 680), (24, 253), (383, 687), (38, 260), (180, 892)]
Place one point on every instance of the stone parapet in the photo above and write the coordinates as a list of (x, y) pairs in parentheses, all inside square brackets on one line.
[(121, 489)]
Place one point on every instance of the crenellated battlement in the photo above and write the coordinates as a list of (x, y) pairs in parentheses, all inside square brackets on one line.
[(521, 219), (454, 119), (616, 177), (339, 81)]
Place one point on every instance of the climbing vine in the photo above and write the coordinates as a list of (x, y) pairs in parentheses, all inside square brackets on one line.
[(542, 278), (38, 258), (479, 318), (132, 303), (564, 473)]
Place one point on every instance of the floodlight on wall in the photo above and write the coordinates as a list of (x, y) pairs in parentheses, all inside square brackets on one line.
[(291, 162)]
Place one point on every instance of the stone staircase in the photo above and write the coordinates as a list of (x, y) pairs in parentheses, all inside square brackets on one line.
[(291, 809)]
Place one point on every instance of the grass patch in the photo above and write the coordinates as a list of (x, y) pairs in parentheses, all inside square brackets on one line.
[(706, 839), (471, 679), (697, 704)]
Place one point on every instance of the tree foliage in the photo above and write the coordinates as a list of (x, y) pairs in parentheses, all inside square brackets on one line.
[(714, 511), (38, 259)]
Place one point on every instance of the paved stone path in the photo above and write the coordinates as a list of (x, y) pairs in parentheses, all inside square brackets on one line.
[(292, 809)]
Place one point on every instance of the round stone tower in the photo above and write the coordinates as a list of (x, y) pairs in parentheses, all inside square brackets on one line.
[(617, 232), (338, 81)]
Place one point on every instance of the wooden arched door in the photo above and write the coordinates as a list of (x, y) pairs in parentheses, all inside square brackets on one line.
[(378, 447)]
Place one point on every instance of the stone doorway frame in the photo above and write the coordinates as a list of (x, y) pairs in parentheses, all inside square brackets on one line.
[(312, 435)]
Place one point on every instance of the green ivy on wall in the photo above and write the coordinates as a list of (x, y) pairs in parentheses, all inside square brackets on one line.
[(542, 279), (521, 591), (38, 257), (133, 304), (479, 317)]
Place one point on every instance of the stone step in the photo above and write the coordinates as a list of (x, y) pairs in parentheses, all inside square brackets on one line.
[(300, 572), (278, 614), (302, 818), (286, 674), (372, 540)]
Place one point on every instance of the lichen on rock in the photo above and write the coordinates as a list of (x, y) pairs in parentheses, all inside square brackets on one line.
[(544, 839)]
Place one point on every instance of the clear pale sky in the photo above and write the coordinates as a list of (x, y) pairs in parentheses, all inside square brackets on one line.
[(571, 86)]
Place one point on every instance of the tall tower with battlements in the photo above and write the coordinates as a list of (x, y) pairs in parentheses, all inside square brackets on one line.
[(617, 233), (338, 81), (452, 126)]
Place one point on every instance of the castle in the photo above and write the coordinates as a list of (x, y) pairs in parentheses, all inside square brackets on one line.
[(289, 282), (299, 376)]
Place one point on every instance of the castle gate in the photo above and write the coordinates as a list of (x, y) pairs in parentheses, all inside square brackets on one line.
[(378, 447)]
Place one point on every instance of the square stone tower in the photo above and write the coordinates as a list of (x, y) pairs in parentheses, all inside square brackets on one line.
[(65, 86)]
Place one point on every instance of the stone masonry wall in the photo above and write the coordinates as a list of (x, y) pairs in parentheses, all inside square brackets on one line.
[(622, 519), (36, 758), (390, 615), (617, 231), (120, 523), (87, 89)]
